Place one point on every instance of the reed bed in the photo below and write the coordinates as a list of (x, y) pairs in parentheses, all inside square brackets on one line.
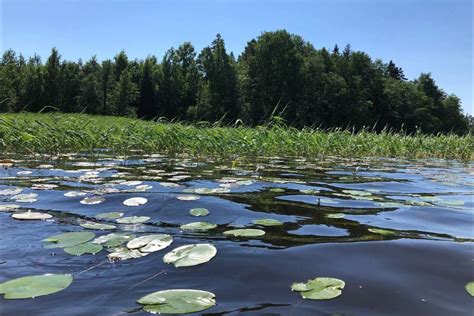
[(56, 134)]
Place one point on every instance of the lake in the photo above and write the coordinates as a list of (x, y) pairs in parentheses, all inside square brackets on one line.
[(399, 233)]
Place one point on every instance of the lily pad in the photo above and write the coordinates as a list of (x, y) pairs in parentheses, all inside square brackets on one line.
[(319, 288), (198, 226), (9, 207), (35, 285), (150, 243), (267, 222), (470, 288), (68, 239), (99, 226), (92, 200), (277, 190), (74, 193), (381, 231), (199, 212), (132, 219), (187, 197), (109, 215), (25, 198), (246, 232), (84, 248), (179, 301), (190, 255), (114, 239), (31, 216), (123, 253), (135, 201), (336, 215)]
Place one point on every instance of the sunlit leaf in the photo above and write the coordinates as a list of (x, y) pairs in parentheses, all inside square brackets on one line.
[(35, 285), (190, 255)]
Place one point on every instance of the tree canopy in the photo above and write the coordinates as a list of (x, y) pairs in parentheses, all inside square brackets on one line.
[(277, 74)]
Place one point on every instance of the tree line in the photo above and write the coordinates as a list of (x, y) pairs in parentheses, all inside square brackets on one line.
[(277, 74)]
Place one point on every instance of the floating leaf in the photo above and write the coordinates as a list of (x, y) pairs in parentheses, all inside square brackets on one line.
[(180, 301), (246, 232), (150, 243), (277, 190), (309, 191), (9, 207), (357, 192), (267, 222), (452, 202), (190, 255), (381, 231), (68, 239), (92, 200), (335, 215), (35, 285), (198, 226), (123, 253), (470, 288), (114, 239), (132, 219), (11, 191), (319, 288), (31, 216), (390, 204), (135, 201), (187, 197), (25, 198), (99, 226), (199, 212), (84, 248), (109, 215), (74, 193)]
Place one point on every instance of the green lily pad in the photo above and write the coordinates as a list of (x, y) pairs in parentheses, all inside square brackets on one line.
[(277, 190), (470, 288), (31, 215), (381, 231), (99, 226), (181, 301), (319, 288), (135, 201), (132, 219), (92, 200), (114, 239), (267, 222), (357, 192), (35, 285), (309, 191), (452, 202), (9, 207), (84, 248), (187, 197), (199, 212), (150, 243), (190, 255), (198, 226), (246, 232), (335, 215), (109, 215), (68, 239)]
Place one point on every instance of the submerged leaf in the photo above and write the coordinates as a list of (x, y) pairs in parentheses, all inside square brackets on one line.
[(179, 301), (35, 285), (319, 288), (247, 232), (190, 255)]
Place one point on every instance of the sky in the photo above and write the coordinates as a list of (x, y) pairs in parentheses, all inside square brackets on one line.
[(418, 35)]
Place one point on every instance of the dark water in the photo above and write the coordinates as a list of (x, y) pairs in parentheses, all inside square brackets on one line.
[(420, 269)]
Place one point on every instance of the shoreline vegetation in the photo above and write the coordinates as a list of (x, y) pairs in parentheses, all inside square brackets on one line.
[(57, 134), (276, 74)]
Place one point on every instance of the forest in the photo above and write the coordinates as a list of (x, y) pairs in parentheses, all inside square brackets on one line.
[(278, 74)]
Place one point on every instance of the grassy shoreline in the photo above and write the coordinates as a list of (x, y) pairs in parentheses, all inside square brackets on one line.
[(56, 134)]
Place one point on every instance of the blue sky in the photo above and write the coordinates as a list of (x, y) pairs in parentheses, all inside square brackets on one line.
[(419, 35)]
